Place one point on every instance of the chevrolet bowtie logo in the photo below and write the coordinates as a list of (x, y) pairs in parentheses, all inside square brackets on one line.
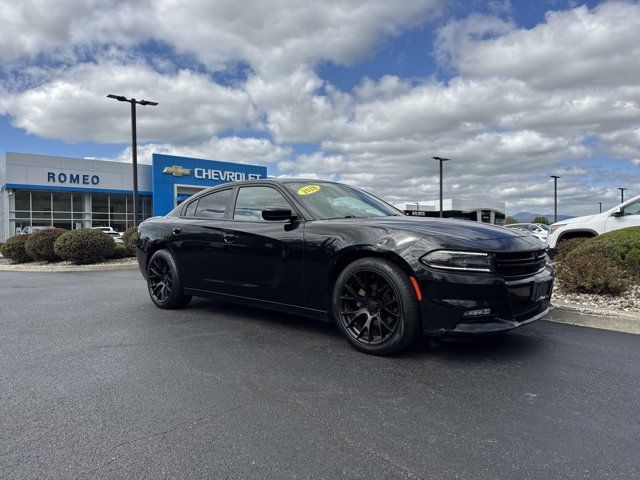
[(176, 171)]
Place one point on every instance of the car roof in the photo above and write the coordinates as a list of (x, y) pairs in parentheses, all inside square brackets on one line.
[(262, 181), (277, 180)]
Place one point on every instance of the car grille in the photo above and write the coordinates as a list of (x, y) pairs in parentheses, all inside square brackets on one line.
[(528, 299), (515, 264)]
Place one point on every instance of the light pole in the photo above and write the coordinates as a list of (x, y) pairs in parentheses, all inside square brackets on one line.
[(622, 189), (134, 145), (441, 159), (600, 203), (555, 197)]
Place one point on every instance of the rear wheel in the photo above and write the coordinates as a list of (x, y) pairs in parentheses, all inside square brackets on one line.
[(164, 281), (375, 306)]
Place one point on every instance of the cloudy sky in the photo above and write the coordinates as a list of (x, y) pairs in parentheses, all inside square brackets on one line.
[(363, 91)]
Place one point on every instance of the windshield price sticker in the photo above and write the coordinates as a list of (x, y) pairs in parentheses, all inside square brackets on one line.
[(308, 189)]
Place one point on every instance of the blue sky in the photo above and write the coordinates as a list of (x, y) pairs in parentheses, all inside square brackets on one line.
[(512, 90)]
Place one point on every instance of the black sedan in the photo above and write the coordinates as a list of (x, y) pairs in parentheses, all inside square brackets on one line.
[(330, 251)]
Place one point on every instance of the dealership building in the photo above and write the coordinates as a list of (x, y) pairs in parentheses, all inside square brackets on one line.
[(480, 210), (43, 190)]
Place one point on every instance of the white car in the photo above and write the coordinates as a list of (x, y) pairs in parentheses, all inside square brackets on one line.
[(625, 215), (117, 236), (538, 230), (108, 230), (30, 229)]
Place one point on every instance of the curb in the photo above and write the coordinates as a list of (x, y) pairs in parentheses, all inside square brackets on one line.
[(602, 319), (70, 268), (605, 312)]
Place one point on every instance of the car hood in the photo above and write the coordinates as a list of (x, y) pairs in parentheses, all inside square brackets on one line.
[(455, 233), (586, 218)]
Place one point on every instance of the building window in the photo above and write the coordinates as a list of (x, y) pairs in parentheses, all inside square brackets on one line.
[(23, 201), (100, 204), (67, 210), (41, 202)]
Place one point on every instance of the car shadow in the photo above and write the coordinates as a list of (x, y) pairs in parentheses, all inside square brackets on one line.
[(250, 313), (507, 346)]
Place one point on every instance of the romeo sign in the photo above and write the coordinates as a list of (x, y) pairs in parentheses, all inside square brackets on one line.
[(73, 178)]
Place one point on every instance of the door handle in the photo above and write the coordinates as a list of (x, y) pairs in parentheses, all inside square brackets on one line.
[(229, 237), (177, 230)]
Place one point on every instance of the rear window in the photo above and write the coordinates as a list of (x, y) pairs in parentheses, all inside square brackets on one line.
[(213, 205), (190, 211)]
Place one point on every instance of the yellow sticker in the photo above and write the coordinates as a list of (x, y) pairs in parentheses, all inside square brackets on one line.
[(308, 189)]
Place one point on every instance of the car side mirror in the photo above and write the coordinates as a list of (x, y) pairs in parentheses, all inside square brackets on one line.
[(275, 214), (618, 213)]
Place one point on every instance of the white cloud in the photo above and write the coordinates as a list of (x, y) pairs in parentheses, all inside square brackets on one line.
[(577, 47), (258, 151), (73, 106), (32, 27), (272, 36)]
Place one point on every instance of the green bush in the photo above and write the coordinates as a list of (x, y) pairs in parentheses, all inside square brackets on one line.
[(130, 240), (39, 245), (14, 249), (592, 274), (620, 247), (84, 246), (564, 247), (119, 252)]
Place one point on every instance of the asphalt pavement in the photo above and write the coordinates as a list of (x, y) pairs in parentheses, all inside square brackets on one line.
[(95, 382)]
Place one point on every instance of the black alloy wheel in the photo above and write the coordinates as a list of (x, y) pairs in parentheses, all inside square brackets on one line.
[(369, 307), (376, 307), (164, 281)]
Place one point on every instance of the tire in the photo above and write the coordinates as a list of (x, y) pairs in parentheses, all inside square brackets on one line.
[(385, 302), (164, 281)]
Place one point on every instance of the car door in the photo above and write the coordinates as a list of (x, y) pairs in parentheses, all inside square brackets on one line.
[(266, 256), (197, 240), (629, 217)]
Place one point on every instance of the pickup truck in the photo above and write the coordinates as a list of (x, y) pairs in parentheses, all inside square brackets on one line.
[(625, 215)]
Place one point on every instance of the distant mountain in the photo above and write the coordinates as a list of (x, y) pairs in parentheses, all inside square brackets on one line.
[(525, 217)]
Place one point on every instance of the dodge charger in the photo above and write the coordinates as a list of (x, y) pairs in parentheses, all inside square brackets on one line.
[(331, 251)]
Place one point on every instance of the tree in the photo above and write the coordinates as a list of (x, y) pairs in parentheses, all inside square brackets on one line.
[(541, 219), (510, 220)]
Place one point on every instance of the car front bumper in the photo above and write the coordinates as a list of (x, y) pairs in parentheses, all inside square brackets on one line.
[(478, 303)]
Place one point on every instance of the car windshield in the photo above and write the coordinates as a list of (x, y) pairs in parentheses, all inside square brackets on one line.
[(333, 200)]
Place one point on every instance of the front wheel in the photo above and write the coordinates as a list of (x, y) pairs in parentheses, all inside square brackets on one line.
[(375, 306), (164, 281)]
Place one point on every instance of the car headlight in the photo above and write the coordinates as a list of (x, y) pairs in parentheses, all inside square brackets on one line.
[(554, 227), (454, 260)]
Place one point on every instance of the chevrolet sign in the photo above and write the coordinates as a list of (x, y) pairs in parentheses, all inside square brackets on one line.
[(176, 171)]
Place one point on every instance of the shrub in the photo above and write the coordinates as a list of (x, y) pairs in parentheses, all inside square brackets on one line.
[(84, 246), (14, 249), (564, 247), (621, 247), (592, 274), (39, 245), (130, 240), (119, 252)]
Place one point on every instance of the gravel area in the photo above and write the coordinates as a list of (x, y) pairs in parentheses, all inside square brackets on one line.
[(627, 302), (66, 265)]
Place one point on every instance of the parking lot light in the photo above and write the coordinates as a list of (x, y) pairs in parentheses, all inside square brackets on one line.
[(134, 145), (441, 160), (622, 189), (555, 197)]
